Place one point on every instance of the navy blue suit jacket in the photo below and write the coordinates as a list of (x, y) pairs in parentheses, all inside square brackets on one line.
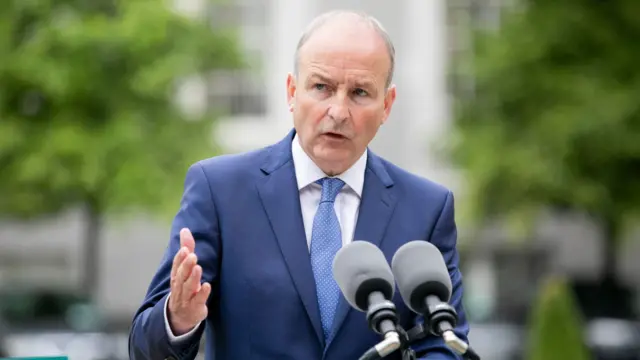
[(244, 213)]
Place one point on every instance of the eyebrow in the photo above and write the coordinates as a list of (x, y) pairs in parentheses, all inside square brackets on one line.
[(325, 79), (320, 77), (364, 84)]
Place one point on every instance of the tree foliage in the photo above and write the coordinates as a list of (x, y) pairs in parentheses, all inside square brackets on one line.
[(556, 326), (555, 120), (87, 115)]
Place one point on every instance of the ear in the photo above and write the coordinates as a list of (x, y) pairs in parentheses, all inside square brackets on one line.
[(291, 90), (389, 99)]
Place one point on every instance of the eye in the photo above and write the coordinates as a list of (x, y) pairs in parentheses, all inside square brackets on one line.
[(319, 87), (360, 92)]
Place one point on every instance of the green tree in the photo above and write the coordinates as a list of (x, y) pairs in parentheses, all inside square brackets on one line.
[(556, 326), (87, 111), (554, 122)]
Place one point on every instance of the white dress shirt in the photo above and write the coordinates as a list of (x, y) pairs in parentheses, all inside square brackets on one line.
[(346, 204)]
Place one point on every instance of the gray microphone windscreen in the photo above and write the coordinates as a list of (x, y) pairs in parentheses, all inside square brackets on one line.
[(419, 270), (360, 268)]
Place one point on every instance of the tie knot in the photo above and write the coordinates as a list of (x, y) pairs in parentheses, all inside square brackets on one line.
[(330, 188)]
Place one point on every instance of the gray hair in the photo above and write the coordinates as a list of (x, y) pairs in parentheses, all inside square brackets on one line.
[(321, 20)]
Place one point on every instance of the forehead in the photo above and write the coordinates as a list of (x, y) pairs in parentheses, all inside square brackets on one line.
[(345, 49)]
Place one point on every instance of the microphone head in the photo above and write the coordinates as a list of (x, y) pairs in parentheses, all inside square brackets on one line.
[(360, 268), (420, 271)]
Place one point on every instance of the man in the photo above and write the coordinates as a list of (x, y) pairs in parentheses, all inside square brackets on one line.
[(249, 260)]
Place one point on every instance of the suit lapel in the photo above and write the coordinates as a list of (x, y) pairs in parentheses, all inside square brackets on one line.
[(376, 206), (281, 201)]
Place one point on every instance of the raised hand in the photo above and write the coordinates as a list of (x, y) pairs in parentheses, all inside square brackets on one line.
[(188, 301)]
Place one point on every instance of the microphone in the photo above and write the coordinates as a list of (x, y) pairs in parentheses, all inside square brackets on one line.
[(425, 286), (366, 281)]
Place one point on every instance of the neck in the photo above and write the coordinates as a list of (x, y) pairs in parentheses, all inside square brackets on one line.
[(330, 168), (333, 169)]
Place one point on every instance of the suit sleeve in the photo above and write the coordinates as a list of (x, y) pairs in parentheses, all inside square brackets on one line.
[(148, 337), (444, 237)]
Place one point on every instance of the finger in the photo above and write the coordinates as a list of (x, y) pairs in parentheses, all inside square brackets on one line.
[(186, 240), (203, 295), (192, 285), (176, 281), (185, 269), (177, 260)]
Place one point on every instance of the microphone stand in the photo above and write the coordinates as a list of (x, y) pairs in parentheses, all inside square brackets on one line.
[(392, 343), (383, 319), (440, 319), (405, 345), (417, 333), (452, 341)]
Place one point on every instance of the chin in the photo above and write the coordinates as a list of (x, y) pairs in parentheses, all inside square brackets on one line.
[(332, 161), (331, 153)]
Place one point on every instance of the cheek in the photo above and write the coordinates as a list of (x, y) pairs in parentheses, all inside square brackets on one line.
[(306, 118), (366, 123), (311, 113)]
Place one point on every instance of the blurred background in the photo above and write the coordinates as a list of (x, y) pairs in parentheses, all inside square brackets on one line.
[(527, 109)]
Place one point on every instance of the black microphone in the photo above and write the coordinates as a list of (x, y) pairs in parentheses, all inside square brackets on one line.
[(425, 286), (366, 281)]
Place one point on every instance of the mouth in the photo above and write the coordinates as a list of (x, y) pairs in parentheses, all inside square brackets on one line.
[(334, 136)]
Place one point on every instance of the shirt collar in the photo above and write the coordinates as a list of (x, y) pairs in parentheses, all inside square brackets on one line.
[(307, 172)]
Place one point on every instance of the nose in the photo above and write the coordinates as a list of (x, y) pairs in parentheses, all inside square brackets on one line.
[(339, 109)]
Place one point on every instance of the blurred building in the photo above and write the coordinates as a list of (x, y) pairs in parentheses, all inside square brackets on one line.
[(428, 36), (48, 254)]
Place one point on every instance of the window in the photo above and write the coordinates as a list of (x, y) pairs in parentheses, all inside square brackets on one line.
[(465, 17), (241, 92)]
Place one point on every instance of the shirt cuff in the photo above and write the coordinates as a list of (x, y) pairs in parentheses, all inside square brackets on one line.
[(173, 338)]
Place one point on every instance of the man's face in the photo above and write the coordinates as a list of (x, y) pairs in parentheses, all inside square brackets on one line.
[(339, 98)]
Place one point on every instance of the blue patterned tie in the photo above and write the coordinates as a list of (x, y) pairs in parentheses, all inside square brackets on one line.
[(326, 240)]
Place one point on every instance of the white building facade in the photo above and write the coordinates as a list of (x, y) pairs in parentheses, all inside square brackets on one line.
[(131, 250), (420, 116)]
